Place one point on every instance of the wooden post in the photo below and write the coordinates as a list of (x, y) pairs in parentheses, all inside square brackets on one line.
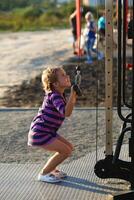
[(109, 76)]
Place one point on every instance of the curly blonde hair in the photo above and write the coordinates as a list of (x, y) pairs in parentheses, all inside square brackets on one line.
[(49, 77)]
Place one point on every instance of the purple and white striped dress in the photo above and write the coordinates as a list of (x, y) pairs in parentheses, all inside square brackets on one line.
[(45, 124)]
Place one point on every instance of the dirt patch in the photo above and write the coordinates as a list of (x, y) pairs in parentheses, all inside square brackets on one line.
[(30, 93)]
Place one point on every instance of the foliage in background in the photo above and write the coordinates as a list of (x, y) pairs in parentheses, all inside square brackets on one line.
[(8, 5), (31, 15)]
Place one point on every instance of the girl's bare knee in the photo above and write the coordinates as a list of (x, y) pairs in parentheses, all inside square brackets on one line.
[(67, 152)]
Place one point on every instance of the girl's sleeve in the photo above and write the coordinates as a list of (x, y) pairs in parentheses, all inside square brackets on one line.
[(58, 103)]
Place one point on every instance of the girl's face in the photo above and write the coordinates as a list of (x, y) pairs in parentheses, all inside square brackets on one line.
[(63, 79)]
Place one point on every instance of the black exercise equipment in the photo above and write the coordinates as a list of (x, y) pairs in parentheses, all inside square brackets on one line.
[(112, 166)]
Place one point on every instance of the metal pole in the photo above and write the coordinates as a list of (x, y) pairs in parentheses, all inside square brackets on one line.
[(131, 145), (125, 29), (109, 75)]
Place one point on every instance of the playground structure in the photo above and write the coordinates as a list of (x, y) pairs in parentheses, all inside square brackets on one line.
[(112, 166), (29, 189)]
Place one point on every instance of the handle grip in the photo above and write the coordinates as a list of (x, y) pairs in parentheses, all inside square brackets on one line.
[(77, 90)]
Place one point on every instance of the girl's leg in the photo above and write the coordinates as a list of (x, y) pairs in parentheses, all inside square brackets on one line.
[(62, 150), (62, 139)]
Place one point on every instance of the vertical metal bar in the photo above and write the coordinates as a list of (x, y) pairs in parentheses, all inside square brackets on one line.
[(109, 75), (119, 58), (132, 124), (97, 97), (119, 97), (124, 51), (125, 7), (78, 25)]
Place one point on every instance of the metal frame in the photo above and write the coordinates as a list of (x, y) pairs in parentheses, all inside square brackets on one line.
[(112, 166)]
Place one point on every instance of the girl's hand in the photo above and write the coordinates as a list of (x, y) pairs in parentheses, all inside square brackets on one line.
[(71, 102), (73, 90), (73, 95), (77, 90)]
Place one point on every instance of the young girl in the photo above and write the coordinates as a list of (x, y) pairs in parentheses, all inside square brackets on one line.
[(44, 127)]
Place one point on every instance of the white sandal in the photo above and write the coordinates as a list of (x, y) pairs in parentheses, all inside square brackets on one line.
[(59, 174), (49, 178)]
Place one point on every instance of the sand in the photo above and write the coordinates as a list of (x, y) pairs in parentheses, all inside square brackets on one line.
[(23, 55), (80, 129)]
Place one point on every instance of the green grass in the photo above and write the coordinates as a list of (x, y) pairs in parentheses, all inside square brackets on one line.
[(31, 18), (37, 17)]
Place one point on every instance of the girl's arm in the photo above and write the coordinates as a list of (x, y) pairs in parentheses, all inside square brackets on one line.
[(70, 104)]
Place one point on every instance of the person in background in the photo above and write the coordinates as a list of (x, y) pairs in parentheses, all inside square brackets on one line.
[(72, 20), (90, 37), (43, 130), (101, 28)]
